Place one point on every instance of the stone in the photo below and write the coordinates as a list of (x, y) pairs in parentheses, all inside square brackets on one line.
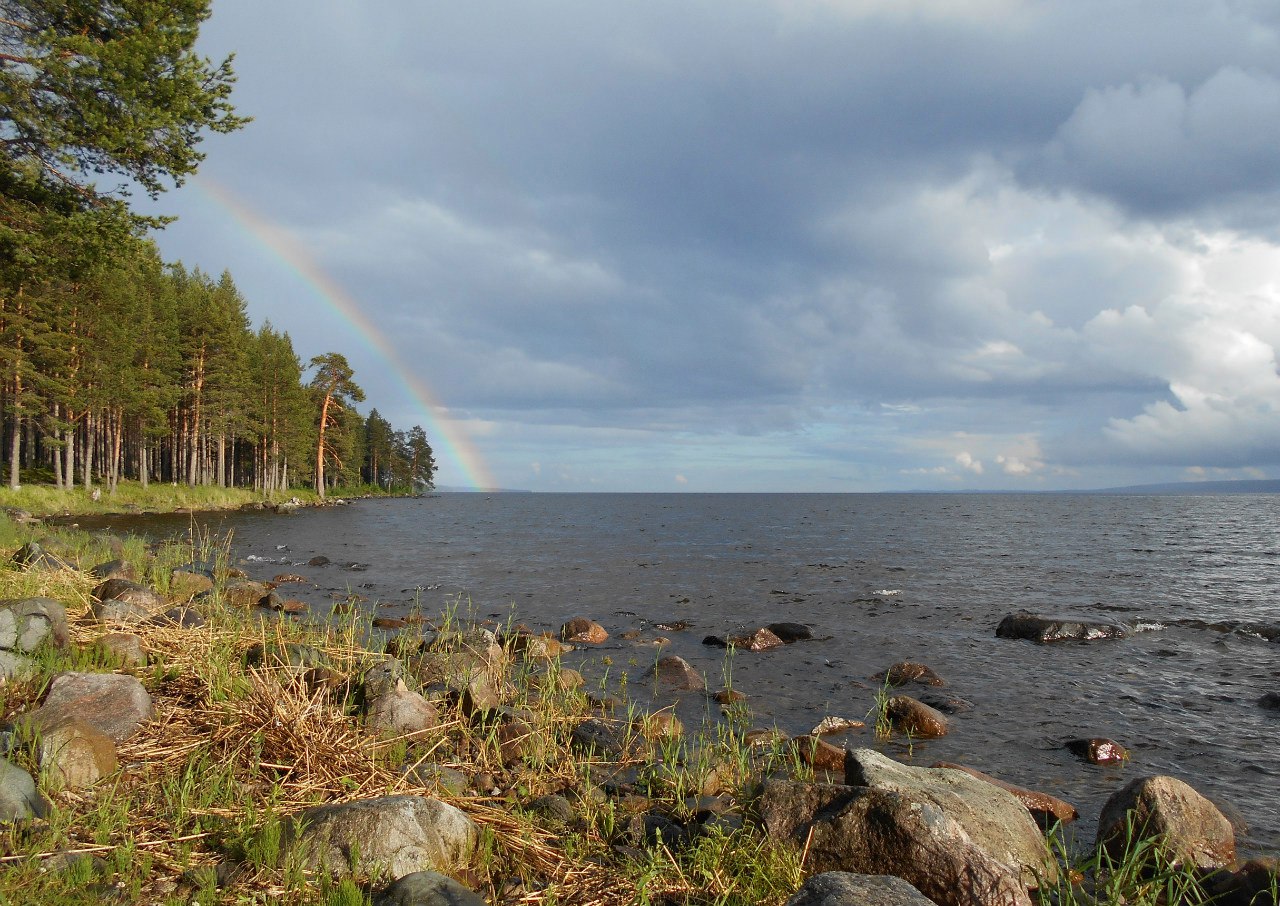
[(944, 702), (112, 612), (674, 674), (74, 754), (905, 672), (820, 755), (289, 578), (1045, 629), (26, 623), (728, 697), (427, 888), (1188, 826), (389, 836), (842, 888), (33, 556), (15, 666), (830, 725), (660, 725), (318, 560), (910, 715), (1044, 808), (290, 656), (243, 593), (131, 592), (401, 712), (115, 569), (581, 629), (19, 799), (112, 703), (123, 649), (992, 818), (791, 632), (1098, 750), (597, 736), (184, 586), (179, 617), (760, 639), (382, 677), (555, 808), (1270, 701), (538, 647)]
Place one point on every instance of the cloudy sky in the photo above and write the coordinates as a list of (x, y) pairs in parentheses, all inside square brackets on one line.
[(793, 245)]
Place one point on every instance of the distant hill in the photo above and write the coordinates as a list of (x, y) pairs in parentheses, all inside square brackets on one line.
[(454, 489), (1241, 486)]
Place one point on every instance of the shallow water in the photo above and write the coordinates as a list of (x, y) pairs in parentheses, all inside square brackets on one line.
[(880, 578)]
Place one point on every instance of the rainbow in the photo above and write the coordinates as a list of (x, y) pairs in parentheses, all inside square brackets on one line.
[(448, 438)]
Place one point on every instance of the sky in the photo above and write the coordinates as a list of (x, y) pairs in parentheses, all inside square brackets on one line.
[(768, 245)]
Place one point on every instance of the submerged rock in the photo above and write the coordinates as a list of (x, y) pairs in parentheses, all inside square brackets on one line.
[(1045, 629), (905, 672), (1098, 750), (581, 629)]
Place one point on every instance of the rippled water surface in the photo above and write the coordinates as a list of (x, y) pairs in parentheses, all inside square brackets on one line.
[(880, 578)]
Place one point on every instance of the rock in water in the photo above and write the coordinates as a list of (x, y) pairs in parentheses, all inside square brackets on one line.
[(1044, 808), (1043, 629), (915, 717), (1098, 750), (675, 674), (581, 629)]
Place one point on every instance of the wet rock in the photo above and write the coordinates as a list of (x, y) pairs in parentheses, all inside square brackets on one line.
[(842, 888), (909, 715), (942, 701), (390, 836), (581, 629), (830, 725), (714, 641), (289, 578), (26, 623), (660, 725), (1098, 750), (1044, 808), (427, 888), (1187, 824), (401, 712), (75, 755), (791, 632), (728, 697), (885, 832), (819, 755), (1253, 884), (389, 623), (905, 672), (674, 674), (184, 586), (672, 625), (1044, 629), (760, 639), (115, 569), (112, 703), (293, 607), (123, 649), (319, 560), (19, 799), (1270, 701)]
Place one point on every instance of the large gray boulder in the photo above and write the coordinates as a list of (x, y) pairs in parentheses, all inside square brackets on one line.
[(991, 817), (19, 799), (25, 623), (391, 836), (842, 888), (112, 703), (1189, 827), (882, 832), (401, 712), (427, 888)]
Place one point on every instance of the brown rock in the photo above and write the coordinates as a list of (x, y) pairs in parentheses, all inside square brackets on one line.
[(124, 649), (286, 578), (905, 672), (243, 593), (293, 606), (829, 726), (115, 569), (389, 623), (660, 725), (1188, 825), (75, 755), (673, 673), (819, 755), (131, 593), (112, 703), (1099, 750), (915, 717), (728, 697), (538, 647), (184, 585), (401, 712), (581, 629), (760, 639), (1044, 808)]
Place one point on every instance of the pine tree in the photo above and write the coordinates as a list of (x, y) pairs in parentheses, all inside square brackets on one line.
[(335, 391)]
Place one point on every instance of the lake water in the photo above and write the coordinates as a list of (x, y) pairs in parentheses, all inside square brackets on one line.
[(880, 578)]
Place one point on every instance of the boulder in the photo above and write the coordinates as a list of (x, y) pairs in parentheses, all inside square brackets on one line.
[(26, 623), (1098, 750), (243, 593), (184, 586), (581, 629), (883, 832), (115, 569), (905, 672), (120, 613), (33, 556), (842, 888), (674, 674), (427, 888), (791, 632), (291, 656), (1044, 808), (130, 592), (1187, 825), (381, 678), (123, 649), (538, 647), (401, 712), (597, 736), (1044, 629), (19, 799), (944, 702), (992, 818), (112, 703), (830, 725), (179, 617), (389, 836), (819, 755), (15, 666), (910, 715), (760, 639), (74, 754)]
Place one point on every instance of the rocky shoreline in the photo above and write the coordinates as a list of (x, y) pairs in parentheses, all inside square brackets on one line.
[(259, 753)]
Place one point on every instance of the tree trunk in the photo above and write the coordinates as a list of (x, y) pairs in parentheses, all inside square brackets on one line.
[(15, 451)]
